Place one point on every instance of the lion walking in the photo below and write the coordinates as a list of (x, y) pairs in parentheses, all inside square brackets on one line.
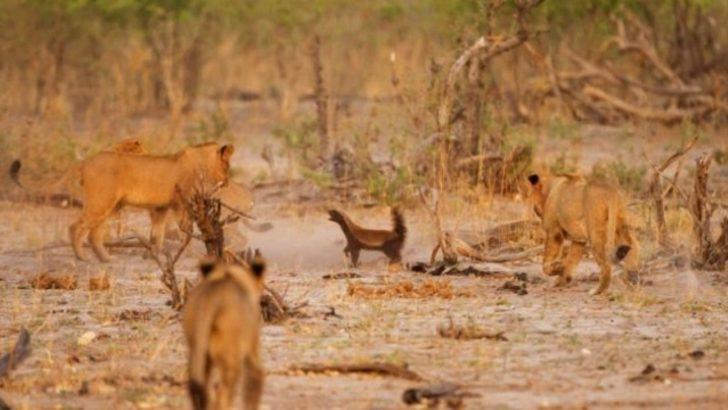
[(587, 213)]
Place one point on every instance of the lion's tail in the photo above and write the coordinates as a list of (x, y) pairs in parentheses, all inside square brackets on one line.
[(612, 221), (50, 192)]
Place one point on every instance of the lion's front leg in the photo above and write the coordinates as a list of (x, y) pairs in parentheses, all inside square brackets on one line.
[(573, 256)]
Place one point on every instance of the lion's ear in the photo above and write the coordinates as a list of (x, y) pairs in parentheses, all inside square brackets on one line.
[(534, 179), (226, 151), (257, 266), (207, 265)]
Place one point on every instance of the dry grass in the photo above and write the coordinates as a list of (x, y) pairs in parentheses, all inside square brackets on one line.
[(100, 282), (49, 280), (407, 289)]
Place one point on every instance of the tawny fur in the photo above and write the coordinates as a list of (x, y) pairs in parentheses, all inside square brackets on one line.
[(389, 242), (222, 324), (234, 195), (586, 213), (52, 193), (158, 183)]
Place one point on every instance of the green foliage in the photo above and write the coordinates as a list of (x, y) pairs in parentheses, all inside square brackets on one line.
[(391, 188), (560, 129), (213, 128), (720, 156), (300, 137), (563, 165), (630, 178)]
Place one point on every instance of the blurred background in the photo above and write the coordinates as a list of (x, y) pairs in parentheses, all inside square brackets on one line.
[(375, 91)]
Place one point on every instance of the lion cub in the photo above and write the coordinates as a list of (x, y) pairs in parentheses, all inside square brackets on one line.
[(358, 238), (585, 212), (222, 322)]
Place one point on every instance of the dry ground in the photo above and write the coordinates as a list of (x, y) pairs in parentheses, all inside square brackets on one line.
[(564, 349)]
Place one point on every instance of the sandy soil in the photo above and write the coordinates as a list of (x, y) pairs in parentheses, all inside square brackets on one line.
[(565, 349)]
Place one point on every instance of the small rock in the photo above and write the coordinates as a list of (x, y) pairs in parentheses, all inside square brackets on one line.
[(697, 354), (84, 389), (518, 289), (86, 338), (649, 369), (420, 267)]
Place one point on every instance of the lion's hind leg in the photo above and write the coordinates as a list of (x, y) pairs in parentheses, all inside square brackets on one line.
[(77, 233), (628, 252), (605, 268), (253, 383), (552, 263), (94, 215)]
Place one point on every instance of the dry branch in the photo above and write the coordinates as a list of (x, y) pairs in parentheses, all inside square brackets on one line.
[(642, 45), (381, 369), (710, 255), (470, 332), (659, 195), (20, 352), (322, 99), (273, 306), (473, 252), (442, 244), (669, 115), (669, 98), (167, 266), (432, 395), (484, 49)]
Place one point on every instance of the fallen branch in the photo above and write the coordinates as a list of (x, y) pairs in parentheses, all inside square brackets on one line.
[(646, 113), (431, 395), (464, 249), (470, 332), (380, 369), (125, 242), (20, 352)]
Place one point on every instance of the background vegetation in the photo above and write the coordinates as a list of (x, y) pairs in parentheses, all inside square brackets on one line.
[(89, 71)]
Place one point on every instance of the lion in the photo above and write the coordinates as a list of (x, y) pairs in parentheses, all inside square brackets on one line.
[(236, 197), (158, 183), (586, 213), (52, 193), (222, 325)]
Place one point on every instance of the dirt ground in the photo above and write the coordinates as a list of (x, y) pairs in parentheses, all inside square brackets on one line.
[(661, 344), (565, 349)]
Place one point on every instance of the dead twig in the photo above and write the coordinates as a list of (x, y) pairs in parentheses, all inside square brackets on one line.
[(272, 304), (711, 255), (442, 244), (432, 395), (21, 351), (658, 194), (168, 276), (377, 368), (470, 332)]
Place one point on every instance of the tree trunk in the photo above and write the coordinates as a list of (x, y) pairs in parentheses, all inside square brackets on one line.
[(322, 110)]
